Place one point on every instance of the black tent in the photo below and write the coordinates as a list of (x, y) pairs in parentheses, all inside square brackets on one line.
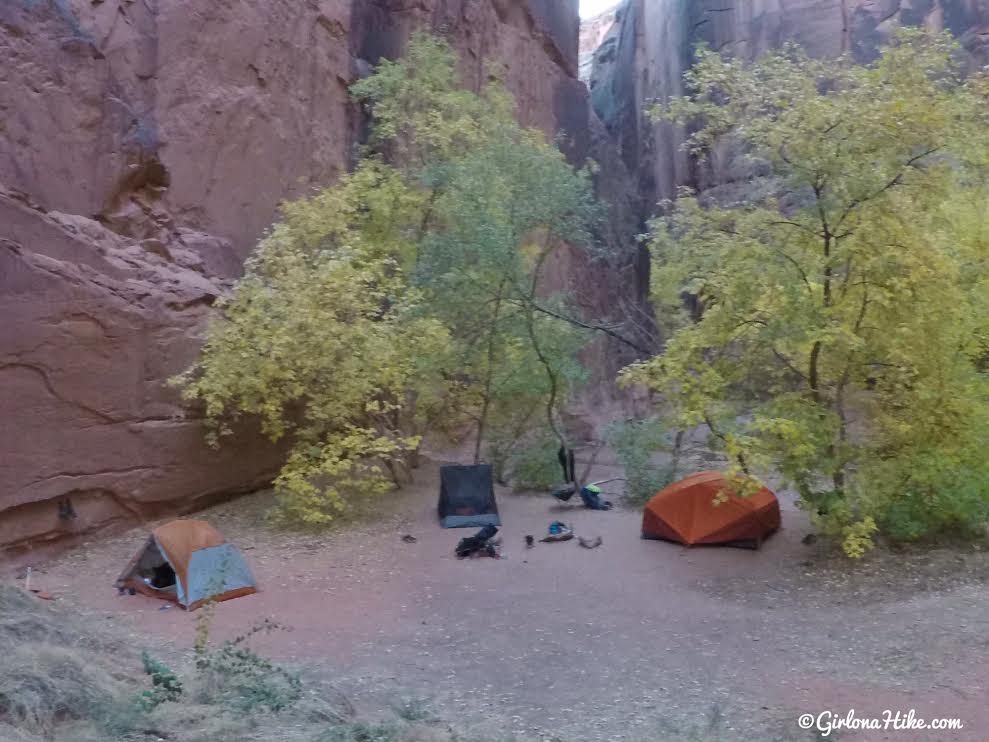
[(467, 498)]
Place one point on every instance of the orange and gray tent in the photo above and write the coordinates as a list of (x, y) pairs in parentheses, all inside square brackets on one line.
[(189, 562), (705, 508)]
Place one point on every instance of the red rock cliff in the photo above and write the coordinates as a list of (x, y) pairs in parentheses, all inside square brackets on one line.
[(144, 147), (650, 45)]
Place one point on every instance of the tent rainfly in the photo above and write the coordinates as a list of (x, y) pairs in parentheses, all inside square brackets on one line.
[(705, 509), (189, 562), (467, 498)]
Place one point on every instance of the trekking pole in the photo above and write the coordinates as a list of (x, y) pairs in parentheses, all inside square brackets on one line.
[(606, 481)]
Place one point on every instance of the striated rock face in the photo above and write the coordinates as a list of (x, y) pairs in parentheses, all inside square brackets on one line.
[(858, 27), (144, 147), (531, 43), (93, 324), (643, 57), (213, 112)]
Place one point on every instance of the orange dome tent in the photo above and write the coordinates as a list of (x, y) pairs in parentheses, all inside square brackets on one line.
[(687, 512), (189, 562)]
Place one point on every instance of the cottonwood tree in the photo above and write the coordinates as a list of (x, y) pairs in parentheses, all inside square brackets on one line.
[(843, 324), (501, 202), (321, 340), (406, 298), (505, 208)]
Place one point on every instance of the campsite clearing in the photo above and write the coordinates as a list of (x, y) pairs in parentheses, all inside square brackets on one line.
[(635, 640)]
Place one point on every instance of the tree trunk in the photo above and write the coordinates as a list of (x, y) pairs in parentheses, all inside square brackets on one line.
[(677, 449), (489, 375)]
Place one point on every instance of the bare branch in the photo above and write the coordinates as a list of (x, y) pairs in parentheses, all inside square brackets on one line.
[(588, 326), (795, 264), (892, 183), (798, 225)]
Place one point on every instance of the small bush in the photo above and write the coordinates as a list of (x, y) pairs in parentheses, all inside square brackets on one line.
[(413, 710), (237, 676), (392, 731), (534, 465), (362, 732), (166, 685), (635, 443)]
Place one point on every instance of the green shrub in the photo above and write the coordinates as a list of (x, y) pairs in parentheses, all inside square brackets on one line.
[(237, 676), (361, 732), (413, 710), (934, 492), (534, 464), (635, 443), (166, 685)]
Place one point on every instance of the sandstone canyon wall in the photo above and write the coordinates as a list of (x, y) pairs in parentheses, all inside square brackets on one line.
[(593, 31), (650, 45), (144, 147)]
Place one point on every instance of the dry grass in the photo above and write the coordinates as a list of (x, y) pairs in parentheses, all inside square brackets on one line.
[(65, 679), (54, 672)]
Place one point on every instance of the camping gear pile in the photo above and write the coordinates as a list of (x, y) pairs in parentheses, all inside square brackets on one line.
[(482, 543), (590, 543), (557, 531), (467, 500), (589, 494), (703, 508)]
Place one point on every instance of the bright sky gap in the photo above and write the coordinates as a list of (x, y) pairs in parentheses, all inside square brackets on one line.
[(590, 8)]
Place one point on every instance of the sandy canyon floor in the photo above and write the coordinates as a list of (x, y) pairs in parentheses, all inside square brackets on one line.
[(635, 640)]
